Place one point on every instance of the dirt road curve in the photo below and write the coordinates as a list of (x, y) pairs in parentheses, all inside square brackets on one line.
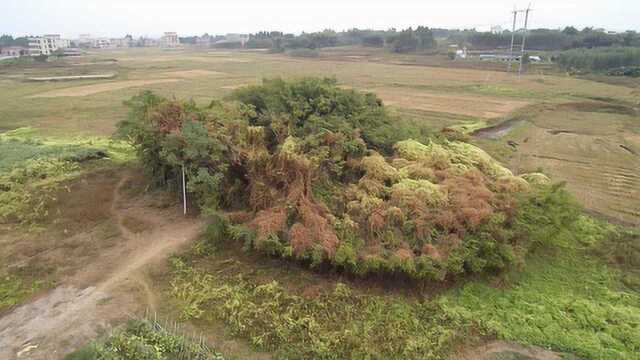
[(75, 311)]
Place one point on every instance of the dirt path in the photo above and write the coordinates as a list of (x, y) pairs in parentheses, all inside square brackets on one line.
[(106, 290)]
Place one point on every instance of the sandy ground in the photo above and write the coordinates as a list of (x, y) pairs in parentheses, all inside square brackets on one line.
[(104, 291), (98, 88), (502, 350)]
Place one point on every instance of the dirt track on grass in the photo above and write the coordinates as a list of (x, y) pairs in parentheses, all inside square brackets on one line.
[(86, 90), (104, 291)]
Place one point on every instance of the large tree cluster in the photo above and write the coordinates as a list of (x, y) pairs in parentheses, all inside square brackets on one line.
[(307, 170)]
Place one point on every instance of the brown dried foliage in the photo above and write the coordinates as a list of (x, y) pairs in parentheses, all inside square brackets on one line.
[(269, 222)]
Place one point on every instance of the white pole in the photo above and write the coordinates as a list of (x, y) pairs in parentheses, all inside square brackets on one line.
[(184, 192)]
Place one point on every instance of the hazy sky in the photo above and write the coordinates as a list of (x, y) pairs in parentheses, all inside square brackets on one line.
[(152, 17)]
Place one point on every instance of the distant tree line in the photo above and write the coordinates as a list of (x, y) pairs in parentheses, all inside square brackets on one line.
[(545, 39), (8, 40), (424, 38), (624, 61), (404, 41)]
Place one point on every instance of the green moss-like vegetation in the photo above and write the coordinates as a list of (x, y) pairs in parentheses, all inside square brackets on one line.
[(142, 340), (564, 301)]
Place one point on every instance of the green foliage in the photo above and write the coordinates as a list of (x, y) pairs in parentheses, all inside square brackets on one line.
[(336, 325), (546, 39), (170, 137), (548, 217), (566, 302), (621, 249), (144, 340), (599, 59), (410, 40)]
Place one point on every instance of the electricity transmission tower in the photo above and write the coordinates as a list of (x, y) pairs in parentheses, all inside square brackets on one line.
[(514, 46)]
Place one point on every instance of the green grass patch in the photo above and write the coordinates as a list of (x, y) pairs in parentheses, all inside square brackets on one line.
[(565, 301), (506, 91), (566, 298), (141, 340), (338, 324), (32, 168), (469, 126), (14, 290)]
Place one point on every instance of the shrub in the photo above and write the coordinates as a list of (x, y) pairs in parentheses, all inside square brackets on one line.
[(315, 173)]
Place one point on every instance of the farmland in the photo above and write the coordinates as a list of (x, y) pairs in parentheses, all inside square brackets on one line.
[(599, 119), (107, 254)]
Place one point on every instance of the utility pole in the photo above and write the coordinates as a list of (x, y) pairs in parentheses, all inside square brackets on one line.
[(184, 193), (524, 38), (513, 38), (524, 31)]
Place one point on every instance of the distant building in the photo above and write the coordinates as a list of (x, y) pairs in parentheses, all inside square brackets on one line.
[(47, 44), (170, 39), (101, 43), (126, 41)]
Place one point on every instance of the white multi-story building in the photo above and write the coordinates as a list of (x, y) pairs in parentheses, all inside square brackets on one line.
[(47, 44), (170, 39)]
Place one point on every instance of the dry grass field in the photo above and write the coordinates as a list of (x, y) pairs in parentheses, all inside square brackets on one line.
[(583, 131)]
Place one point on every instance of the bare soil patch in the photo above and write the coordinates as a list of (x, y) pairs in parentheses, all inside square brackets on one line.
[(109, 287), (502, 350), (98, 88)]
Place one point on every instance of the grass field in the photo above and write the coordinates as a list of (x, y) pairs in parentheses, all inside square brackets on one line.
[(582, 131)]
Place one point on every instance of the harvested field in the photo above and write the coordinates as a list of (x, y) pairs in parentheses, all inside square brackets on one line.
[(594, 152), (174, 57), (476, 106), (98, 88)]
